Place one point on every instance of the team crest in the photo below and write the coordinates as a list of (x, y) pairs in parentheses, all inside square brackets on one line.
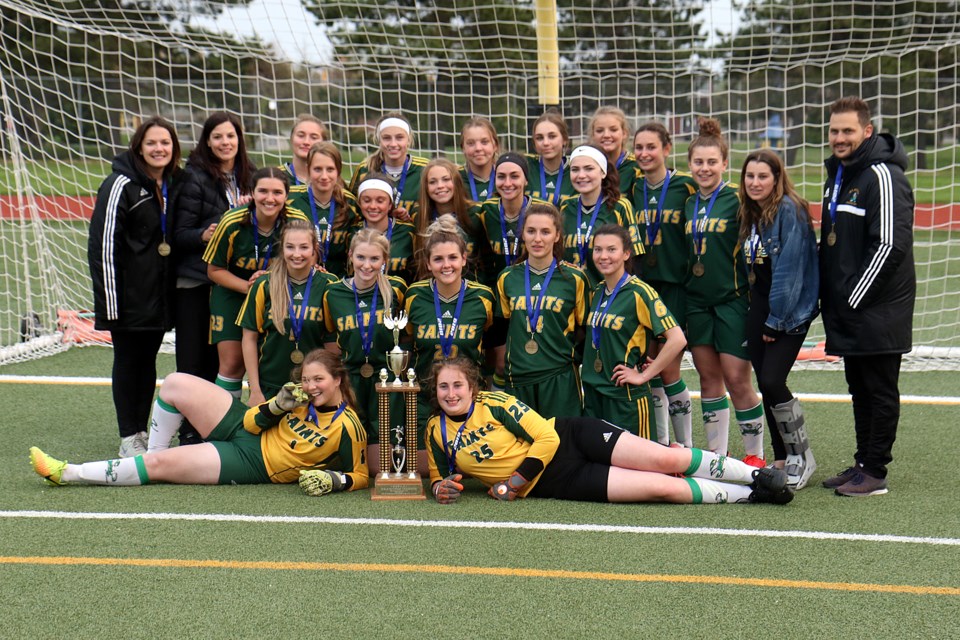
[(716, 467), (853, 196)]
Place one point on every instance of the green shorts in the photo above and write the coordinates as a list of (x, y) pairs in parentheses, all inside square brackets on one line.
[(224, 308), (675, 297), (559, 395), (723, 327), (633, 415), (241, 459)]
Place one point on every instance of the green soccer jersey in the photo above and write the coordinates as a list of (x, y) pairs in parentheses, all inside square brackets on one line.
[(333, 246), (548, 192), (471, 236), (237, 246), (400, 234), (410, 180), (563, 307), (660, 216), (482, 187), (625, 327), (476, 316), (273, 347), (504, 242), (629, 172), (578, 236), (724, 271), (342, 309)]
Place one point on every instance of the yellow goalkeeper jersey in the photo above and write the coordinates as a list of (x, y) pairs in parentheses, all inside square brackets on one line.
[(499, 434)]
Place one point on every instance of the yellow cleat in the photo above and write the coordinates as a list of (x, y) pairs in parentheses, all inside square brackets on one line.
[(50, 468)]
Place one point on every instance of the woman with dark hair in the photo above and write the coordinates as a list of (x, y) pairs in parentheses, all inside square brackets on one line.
[(781, 251), (309, 432), (216, 179), (129, 253)]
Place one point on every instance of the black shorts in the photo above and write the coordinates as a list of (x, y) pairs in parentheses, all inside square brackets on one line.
[(580, 468)]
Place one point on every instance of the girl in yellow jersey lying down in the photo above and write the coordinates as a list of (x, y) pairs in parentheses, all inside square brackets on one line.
[(317, 433), (509, 447)]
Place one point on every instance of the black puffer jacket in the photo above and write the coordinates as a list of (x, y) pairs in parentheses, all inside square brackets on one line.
[(867, 280), (132, 282), (201, 201)]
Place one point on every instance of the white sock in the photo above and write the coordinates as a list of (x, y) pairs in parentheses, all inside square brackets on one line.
[(660, 412), (716, 422), (121, 472), (713, 492), (233, 385), (164, 424), (707, 464), (750, 422), (681, 417)]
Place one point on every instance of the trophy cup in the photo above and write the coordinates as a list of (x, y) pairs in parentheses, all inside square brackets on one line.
[(398, 478)]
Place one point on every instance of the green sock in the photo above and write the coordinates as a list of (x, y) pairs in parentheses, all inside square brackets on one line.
[(233, 385)]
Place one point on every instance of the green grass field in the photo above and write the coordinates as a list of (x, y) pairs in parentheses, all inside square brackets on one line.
[(168, 561)]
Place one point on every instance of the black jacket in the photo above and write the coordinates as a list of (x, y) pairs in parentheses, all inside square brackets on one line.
[(201, 200), (132, 282), (867, 279)]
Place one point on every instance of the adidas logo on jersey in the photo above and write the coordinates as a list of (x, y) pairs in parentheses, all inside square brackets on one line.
[(583, 225), (143, 192), (550, 185), (447, 314), (299, 296), (536, 287), (483, 194), (510, 234), (362, 305), (653, 200), (607, 435), (702, 212)]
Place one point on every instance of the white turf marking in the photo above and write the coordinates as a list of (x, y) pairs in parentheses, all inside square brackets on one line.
[(469, 524), (806, 397)]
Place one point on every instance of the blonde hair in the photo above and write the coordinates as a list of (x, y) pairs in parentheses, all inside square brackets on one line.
[(374, 162), (373, 237), (307, 117), (479, 122), (279, 276), (443, 229), (621, 117)]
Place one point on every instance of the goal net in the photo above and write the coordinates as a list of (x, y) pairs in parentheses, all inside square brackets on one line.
[(76, 78)]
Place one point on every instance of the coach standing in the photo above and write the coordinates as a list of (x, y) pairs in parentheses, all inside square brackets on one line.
[(867, 283)]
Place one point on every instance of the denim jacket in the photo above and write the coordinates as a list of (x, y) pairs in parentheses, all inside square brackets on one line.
[(791, 247)]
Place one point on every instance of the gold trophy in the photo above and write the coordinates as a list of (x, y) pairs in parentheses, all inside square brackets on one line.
[(398, 478)]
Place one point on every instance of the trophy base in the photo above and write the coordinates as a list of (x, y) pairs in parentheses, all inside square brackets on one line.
[(397, 486)]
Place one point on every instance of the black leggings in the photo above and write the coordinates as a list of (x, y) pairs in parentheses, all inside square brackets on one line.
[(772, 362), (134, 377)]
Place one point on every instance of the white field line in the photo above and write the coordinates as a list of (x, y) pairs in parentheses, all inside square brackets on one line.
[(470, 524), (806, 397)]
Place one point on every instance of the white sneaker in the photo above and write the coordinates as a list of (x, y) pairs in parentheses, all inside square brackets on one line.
[(134, 445)]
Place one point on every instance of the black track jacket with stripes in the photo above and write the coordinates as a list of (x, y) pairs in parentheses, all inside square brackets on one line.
[(867, 279), (132, 282)]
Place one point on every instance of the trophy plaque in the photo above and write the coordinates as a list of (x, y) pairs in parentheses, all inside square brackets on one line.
[(398, 478)]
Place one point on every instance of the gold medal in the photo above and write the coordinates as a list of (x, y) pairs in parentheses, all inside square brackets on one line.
[(598, 365), (163, 249), (531, 346), (651, 260), (296, 356), (752, 277), (366, 370), (832, 238), (698, 269)]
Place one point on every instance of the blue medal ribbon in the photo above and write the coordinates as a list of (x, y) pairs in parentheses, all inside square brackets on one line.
[(446, 341), (256, 241), (403, 181), (598, 317), (473, 183), (312, 414), (834, 196), (366, 330), (451, 449), (293, 174), (163, 210), (296, 319), (658, 216), (623, 156), (583, 239), (534, 310), (509, 253), (555, 198), (699, 226), (328, 232)]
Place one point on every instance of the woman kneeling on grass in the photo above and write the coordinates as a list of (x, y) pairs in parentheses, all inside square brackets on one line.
[(311, 433), (509, 447)]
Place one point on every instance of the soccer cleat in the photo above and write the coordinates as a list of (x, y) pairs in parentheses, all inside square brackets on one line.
[(50, 468), (135, 445), (842, 478), (863, 484), (770, 486), (755, 461)]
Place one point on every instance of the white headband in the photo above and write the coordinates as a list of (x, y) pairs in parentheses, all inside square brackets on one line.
[(594, 154), (393, 122), (375, 183)]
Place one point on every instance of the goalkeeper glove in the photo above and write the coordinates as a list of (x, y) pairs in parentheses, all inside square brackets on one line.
[(509, 488), (447, 491), (318, 482), (289, 398)]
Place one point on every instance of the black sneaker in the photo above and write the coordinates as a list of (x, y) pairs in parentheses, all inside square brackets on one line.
[(842, 478), (770, 486)]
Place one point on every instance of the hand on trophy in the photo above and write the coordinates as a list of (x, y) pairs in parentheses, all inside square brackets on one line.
[(447, 491), (509, 488), (317, 482)]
